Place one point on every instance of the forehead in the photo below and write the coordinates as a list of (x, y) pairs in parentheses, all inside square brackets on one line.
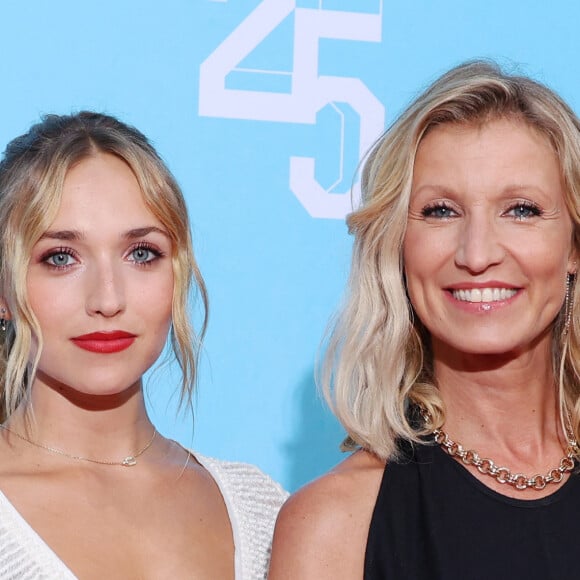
[(501, 129), (101, 189), (496, 154)]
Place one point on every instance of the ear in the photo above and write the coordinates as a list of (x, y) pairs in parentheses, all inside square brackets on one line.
[(573, 262), (4, 310)]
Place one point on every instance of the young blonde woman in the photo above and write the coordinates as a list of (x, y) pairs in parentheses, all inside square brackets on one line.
[(454, 365), (96, 268)]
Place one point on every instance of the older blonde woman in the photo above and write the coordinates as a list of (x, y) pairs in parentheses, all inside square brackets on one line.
[(96, 267), (454, 363)]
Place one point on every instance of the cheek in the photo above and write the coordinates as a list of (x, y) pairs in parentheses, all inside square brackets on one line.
[(158, 303), (162, 321), (422, 261), (549, 261), (411, 268), (49, 308), (50, 303)]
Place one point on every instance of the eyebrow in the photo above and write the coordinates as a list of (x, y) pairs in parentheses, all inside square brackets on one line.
[(75, 235), (515, 189), (509, 190), (142, 232), (68, 235)]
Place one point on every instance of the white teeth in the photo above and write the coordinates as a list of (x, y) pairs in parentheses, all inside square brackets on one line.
[(483, 294)]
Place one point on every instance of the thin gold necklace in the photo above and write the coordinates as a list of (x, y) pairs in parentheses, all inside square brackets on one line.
[(128, 461)]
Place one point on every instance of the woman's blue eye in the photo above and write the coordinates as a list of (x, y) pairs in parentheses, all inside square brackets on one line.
[(438, 211), (524, 210), (60, 260), (143, 255)]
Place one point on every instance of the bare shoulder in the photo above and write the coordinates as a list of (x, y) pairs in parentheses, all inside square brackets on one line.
[(322, 529)]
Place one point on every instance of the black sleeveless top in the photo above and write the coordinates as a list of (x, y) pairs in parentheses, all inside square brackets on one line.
[(433, 520)]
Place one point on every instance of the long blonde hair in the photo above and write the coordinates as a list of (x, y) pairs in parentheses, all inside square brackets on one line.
[(378, 358), (32, 173)]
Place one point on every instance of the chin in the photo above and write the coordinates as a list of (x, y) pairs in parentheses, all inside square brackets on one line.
[(483, 346), (103, 387), (108, 388)]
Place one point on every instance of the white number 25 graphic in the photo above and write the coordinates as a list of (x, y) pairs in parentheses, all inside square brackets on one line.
[(309, 91)]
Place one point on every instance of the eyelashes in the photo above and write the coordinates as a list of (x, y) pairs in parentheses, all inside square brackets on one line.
[(520, 211), (439, 210), (525, 209), (142, 254), (59, 258)]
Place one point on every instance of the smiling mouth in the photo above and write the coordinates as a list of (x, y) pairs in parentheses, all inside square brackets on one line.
[(484, 294)]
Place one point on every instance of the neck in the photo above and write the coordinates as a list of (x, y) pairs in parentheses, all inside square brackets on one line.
[(106, 427), (504, 405)]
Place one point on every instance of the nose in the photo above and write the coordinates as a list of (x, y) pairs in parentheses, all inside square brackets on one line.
[(105, 290), (479, 245)]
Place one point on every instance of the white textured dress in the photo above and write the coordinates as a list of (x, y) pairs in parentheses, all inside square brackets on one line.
[(252, 500)]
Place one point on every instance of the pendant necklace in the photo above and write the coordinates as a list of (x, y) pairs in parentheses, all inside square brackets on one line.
[(128, 461)]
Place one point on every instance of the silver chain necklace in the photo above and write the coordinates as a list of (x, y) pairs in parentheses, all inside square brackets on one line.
[(128, 461), (519, 481)]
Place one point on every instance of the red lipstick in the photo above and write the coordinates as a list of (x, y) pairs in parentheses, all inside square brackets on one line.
[(105, 342)]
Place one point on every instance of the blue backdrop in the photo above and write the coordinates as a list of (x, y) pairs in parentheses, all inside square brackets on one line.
[(262, 109)]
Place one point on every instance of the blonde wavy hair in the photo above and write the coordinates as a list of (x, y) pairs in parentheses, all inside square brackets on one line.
[(32, 174), (378, 362)]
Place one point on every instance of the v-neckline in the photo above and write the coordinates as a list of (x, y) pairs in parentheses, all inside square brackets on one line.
[(39, 551), (30, 541)]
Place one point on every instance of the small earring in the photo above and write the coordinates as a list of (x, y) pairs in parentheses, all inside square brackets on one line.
[(568, 303), (3, 320)]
